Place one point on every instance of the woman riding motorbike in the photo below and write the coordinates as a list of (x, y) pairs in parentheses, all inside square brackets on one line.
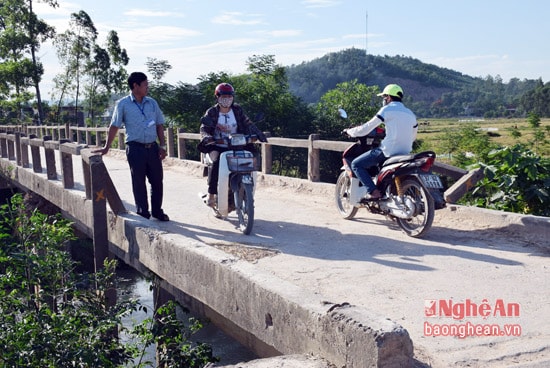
[(220, 121)]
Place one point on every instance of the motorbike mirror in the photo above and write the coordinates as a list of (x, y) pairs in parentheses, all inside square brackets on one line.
[(343, 113)]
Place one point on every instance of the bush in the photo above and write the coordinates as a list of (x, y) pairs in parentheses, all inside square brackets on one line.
[(516, 180), (47, 317)]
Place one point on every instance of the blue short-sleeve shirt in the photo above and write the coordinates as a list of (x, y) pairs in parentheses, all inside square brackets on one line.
[(139, 119)]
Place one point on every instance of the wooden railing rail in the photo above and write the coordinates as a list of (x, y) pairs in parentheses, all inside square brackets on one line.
[(177, 147)]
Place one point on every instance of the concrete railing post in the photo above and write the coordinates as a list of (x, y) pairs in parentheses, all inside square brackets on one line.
[(19, 159), (170, 142), (24, 147), (182, 151), (121, 140), (100, 235), (89, 138), (49, 149), (36, 143), (267, 158), (313, 159), (11, 147), (66, 159), (3, 145)]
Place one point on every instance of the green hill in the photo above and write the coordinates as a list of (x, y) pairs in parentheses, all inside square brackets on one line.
[(431, 90)]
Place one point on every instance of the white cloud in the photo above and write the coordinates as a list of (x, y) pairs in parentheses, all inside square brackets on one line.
[(303, 44), (150, 13), (64, 9), (320, 3), (156, 36), (354, 36), (236, 19), (284, 33)]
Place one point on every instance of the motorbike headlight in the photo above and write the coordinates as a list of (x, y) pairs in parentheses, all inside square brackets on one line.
[(238, 140)]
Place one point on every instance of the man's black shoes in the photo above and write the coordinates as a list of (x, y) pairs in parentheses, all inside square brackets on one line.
[(162, 217)]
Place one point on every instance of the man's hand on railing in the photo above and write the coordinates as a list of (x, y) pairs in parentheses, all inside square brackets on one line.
[(103, 150)]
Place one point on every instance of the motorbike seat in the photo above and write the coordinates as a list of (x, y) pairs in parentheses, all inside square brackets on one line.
[(408, 158)]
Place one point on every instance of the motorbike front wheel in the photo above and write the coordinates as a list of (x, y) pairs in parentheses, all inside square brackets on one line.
[(342, 196), (423, 216), (244, 206)]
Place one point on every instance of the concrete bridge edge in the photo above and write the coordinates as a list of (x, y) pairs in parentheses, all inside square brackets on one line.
[(273, 312)]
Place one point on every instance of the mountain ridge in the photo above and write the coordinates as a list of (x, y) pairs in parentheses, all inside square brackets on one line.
[(425, 85)]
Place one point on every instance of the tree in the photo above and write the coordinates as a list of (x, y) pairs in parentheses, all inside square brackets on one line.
[(119, 59), (357, 99), (266, 91), (537, 101), (74, 49), (158, 68), (262, 92), (97, 89), (534, 120), (20, 39), (164, 92), (105, 74), (359, 102)]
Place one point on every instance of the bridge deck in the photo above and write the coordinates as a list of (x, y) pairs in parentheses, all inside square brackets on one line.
[(469, 255)]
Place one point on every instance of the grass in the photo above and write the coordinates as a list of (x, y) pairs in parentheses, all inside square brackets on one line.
[(499, 131)]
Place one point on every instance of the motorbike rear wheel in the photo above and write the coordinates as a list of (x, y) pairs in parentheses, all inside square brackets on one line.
[(423, 216), (244, 206), (342, 195)]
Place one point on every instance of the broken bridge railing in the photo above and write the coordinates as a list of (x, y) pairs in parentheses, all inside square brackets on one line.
[(98, 186)]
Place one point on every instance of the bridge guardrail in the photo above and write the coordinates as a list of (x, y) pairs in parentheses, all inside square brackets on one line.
[(177, 141)]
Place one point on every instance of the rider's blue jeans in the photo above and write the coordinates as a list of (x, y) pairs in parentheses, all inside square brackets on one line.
[(361, 164)]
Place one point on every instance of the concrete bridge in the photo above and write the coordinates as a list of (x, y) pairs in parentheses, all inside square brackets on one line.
[(307, 286)]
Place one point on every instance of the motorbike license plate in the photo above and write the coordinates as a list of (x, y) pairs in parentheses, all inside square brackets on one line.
[(432, 181)]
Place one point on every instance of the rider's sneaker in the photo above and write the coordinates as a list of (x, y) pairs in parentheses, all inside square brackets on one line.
[(374, 196), (211, 201)]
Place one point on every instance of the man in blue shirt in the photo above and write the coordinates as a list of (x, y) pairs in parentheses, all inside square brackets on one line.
[(143, 120), (401, 128)]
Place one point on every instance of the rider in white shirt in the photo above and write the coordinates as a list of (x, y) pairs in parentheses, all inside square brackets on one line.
[(401, 128)]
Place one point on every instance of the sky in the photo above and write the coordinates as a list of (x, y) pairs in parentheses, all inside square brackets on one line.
[(196, 37)]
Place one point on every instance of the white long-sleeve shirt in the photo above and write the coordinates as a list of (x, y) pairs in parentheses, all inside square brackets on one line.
[(401, 128)]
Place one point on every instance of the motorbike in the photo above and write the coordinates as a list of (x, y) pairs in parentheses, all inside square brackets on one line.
[(410, 191), (237, 175)]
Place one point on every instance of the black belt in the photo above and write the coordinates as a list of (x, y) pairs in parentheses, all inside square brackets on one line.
[(144, 145)]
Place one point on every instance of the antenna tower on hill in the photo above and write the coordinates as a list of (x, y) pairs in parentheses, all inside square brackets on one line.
[(366, 31)]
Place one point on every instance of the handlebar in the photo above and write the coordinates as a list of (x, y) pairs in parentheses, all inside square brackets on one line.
[(235, 140), (375, 133)]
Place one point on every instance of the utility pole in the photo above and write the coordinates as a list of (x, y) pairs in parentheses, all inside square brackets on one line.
[(366, 38), (366, 31)]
